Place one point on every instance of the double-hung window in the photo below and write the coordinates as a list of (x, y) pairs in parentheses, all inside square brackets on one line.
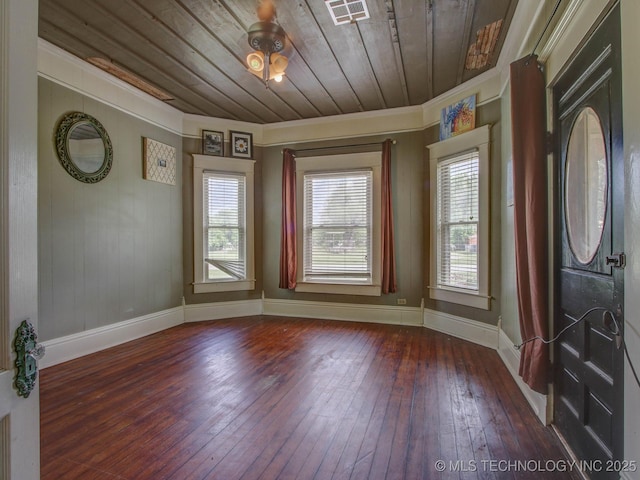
[(339, 224), (223, 224), (459, 169)]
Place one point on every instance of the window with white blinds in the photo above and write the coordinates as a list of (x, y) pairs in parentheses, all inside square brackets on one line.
[(223, 230), (224, 239), (457, 224), (460, 256), (338, 225)]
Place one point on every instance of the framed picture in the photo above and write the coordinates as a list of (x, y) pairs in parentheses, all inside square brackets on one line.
[(241, 144), (458, 118), (212, 143), (159, 161)]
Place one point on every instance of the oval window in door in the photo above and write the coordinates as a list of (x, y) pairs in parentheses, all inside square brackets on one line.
[(586, 186)]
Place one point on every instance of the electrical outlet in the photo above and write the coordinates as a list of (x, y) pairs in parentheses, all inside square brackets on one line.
[(402, 301)]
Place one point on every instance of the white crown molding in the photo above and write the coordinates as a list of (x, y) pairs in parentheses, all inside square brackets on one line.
[(65, 69), (390, 121), (78, 75), (511, 358), (345, 126)]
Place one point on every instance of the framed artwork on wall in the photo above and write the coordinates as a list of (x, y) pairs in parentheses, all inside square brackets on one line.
[(241, 144), (212, 143), (159, 161), (458, 118)]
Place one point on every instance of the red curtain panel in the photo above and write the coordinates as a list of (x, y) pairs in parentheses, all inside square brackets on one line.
[(388, 247), (288, 247), (528, 117)]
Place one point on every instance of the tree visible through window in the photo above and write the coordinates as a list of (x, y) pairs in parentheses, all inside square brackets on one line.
[(460, 219), (458, 216), (224, 226), (338, 226)]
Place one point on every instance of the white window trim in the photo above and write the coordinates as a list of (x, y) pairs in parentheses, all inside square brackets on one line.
[(475, 139), (350, 161), (221, 164)]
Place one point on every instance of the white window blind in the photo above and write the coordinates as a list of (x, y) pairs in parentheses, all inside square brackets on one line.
[(224, 226), (338, 226), (458, 219)]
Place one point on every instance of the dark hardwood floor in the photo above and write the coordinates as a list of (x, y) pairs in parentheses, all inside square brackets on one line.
[(281, 398)]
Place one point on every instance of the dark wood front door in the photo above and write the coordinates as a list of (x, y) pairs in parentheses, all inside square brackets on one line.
[(589, 365)]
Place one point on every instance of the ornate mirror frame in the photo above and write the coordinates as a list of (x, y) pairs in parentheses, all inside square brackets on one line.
[(63, 132)]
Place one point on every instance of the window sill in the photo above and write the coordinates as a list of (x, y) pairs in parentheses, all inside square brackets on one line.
[(233, 286), (339, 288), (475, 300)]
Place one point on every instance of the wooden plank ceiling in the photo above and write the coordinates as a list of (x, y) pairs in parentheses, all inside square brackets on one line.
[(406, 53)]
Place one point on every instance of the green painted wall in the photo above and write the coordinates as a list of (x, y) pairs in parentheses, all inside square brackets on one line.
[(109, 251)]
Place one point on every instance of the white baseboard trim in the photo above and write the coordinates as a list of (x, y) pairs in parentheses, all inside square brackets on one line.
[(511, 358), (67, 348), (344, 311), (464, 328), (200, 312), (73, 346)]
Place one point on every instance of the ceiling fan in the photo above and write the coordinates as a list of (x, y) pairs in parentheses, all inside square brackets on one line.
[(268, 40)]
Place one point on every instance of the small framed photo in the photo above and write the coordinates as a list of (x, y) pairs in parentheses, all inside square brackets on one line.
[(212, 143), (241, 144)]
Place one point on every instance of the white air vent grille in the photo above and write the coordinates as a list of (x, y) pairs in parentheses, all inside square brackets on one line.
[(347, 11)]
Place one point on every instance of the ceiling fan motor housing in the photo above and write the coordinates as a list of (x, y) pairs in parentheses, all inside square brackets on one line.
[(266, 37)]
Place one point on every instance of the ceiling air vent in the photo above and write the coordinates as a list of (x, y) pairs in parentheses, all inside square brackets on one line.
[(347, 11)]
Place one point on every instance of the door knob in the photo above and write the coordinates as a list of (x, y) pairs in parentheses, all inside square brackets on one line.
[(28, 352)]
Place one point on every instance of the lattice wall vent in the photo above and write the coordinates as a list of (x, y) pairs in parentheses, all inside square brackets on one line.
[(347, 11)]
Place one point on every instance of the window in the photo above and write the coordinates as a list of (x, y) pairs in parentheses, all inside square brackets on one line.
[(457, 223), (339, 222), (337, 226), (460, 219), (225, 241), (223, 224)]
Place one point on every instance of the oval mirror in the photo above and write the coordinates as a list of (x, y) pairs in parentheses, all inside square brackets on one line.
[(586, 186), (84, 148)]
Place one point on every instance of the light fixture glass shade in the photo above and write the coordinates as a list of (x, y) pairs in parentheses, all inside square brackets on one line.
[(255, 60), (278, 63)]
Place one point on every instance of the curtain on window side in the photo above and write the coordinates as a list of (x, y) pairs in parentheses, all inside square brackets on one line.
[(388, 247), (288, 247), (530, 216)]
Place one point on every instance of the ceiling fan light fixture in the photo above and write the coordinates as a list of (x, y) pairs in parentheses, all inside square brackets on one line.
[(267, 39)]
